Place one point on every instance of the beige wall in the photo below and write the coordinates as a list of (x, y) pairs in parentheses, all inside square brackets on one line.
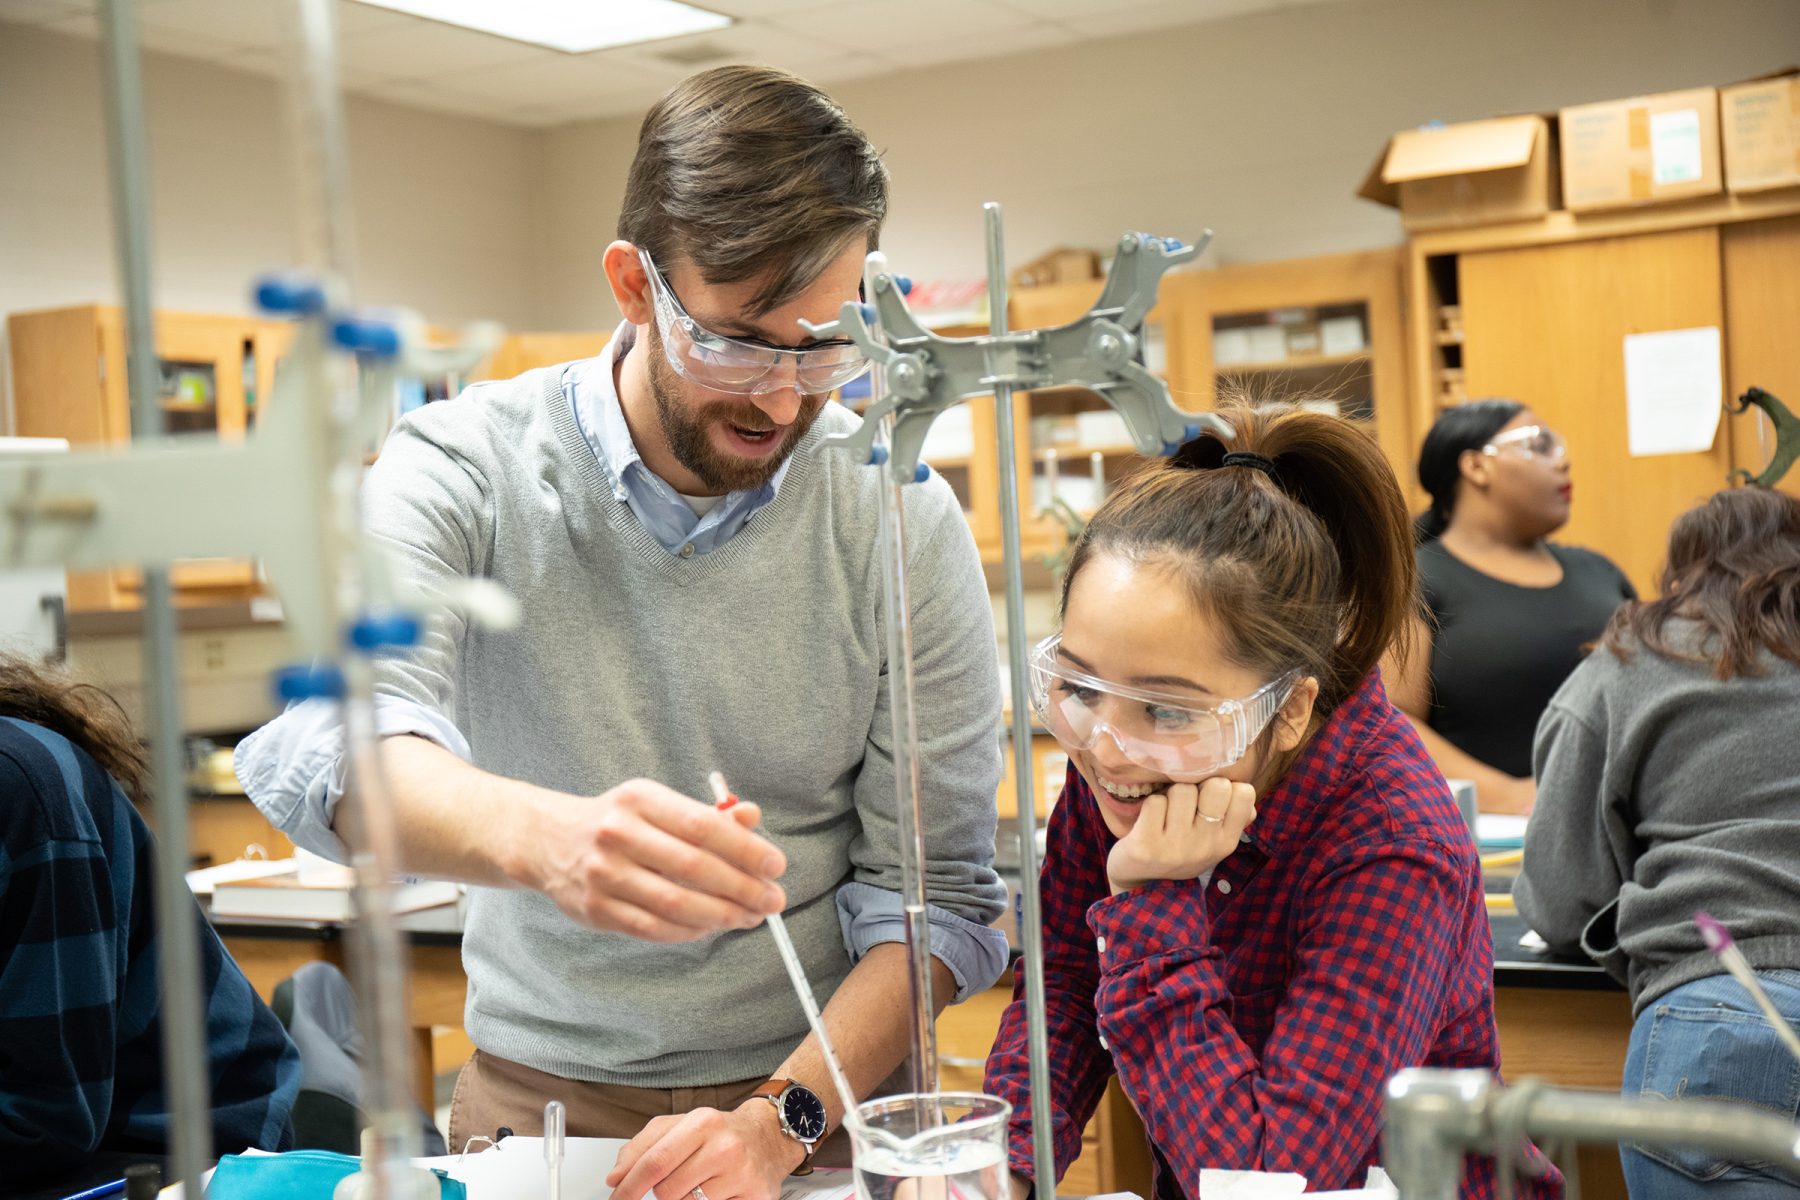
[(1259, 126), (443, 203)]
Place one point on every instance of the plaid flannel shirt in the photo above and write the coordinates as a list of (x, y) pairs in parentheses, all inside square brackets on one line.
[(80, 1014), (1254, 1019)]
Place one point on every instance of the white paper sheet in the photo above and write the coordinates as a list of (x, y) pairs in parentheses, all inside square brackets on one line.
[(1674, 388), (515, 1169)]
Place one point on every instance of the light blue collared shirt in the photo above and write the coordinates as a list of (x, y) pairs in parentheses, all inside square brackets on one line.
[(658, 507)]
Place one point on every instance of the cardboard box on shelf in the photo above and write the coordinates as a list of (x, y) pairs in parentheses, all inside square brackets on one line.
[(1062, 265), (1759, 121), (1475, 173), (1645, 150)]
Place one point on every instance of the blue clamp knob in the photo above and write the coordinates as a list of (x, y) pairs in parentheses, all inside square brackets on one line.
[(1190, 432), (877, 455), (1170, 448), (320, 681), (290, 295), (904, 283), (868, 313), (385, 632), (366, 335), (921, 473), (1171, 243)]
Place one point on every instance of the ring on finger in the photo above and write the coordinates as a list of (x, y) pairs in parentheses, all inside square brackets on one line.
[(1211, 820), (698, 1193)]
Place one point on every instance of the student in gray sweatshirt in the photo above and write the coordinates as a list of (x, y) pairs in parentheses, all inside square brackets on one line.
[(701, 589), (1668, 771)]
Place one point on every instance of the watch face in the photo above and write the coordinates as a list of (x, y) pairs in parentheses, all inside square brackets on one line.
[(803, 1113)]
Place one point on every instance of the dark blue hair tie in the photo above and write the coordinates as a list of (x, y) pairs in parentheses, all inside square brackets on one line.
[(1244, 458)]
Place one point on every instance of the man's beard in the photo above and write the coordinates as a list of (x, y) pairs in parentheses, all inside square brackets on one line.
[(685, 428)]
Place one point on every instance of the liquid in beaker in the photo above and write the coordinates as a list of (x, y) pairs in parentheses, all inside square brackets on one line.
[(943, 1146)]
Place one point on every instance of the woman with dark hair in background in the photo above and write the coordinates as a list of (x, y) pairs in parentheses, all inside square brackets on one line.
[(81, 1061), (1509, 612), (1668, 782)]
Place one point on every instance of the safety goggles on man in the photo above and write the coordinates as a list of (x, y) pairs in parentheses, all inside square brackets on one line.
[(1173, 735), (745, 366), (1529, 441)]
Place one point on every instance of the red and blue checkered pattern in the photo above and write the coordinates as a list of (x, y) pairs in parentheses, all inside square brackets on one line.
[(1254, 1020)]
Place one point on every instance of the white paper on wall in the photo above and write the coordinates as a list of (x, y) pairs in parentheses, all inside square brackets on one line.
[(1674, 390)]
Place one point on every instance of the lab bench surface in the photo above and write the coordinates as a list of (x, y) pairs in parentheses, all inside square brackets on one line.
[(1561, 1021)]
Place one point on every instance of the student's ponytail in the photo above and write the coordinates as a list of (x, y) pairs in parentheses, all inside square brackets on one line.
[(1294, 537)]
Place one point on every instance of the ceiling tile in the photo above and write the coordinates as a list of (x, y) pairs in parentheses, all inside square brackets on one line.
[(748, 9), (884, 26), (845, 67), (562, 83), (429, 50), (1041, 37), (152, 37), (1194, 11), (751, 42), (1160, 14)]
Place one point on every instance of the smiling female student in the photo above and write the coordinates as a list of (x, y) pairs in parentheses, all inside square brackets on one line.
[(1260, 901)]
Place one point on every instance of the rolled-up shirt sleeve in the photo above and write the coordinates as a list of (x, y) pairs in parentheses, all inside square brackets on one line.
[(975, 954), (293, 768)]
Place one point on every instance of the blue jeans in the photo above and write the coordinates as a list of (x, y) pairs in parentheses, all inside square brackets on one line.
[(1708, 1038)]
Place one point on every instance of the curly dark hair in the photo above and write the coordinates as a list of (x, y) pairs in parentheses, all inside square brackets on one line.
[(86, 715), (1734, 566)]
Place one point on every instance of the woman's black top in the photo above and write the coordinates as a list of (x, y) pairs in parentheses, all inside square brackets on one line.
[(1499, 651)]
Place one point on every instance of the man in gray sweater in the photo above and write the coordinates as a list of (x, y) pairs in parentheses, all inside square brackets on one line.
[(701, 590)]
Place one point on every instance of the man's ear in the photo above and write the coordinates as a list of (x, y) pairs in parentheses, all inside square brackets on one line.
[(630, 282), (1295, 715)]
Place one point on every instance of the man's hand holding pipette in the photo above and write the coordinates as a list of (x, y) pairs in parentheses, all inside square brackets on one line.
[(645, 860), (639, 859)]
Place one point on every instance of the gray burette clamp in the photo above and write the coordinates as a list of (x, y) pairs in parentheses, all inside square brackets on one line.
[(925, 374)]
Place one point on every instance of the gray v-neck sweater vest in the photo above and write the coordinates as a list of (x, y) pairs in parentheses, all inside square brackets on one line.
[(765, 659)]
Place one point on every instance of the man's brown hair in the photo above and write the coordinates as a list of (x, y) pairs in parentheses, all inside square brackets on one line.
[(750, 172)]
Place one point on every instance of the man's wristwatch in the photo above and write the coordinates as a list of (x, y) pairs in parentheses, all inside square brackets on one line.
[(801, 1114)]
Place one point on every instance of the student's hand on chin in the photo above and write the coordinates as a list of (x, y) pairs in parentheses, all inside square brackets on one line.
[(1181, 833)]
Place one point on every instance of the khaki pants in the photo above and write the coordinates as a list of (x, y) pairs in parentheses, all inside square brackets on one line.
[(491, 1092)]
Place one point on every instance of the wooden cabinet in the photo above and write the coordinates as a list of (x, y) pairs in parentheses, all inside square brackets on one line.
[(1547, 324), (521, 352), (1327, 331), (1762, 330), (1539, 310), (69, 381)]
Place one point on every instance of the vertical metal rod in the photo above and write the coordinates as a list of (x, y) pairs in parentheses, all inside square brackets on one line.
[(924, 1065), (1043, 1149), (321, 154), (177, 933), (376, 943), (896, 599)]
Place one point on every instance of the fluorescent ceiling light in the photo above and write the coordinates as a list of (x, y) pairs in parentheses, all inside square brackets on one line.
[(574, 26)]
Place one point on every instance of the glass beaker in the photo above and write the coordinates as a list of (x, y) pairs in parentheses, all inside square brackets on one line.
[(941, 1146)]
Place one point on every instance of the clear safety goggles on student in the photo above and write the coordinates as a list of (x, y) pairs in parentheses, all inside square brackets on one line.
[(1529, 441), (1158, 731), (745, 366)]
